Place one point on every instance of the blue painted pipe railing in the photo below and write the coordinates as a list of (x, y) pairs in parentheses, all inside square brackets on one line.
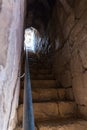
[(28, 116)]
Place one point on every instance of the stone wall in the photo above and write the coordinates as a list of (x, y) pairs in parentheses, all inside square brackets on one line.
[(69, 33), (11, 39)]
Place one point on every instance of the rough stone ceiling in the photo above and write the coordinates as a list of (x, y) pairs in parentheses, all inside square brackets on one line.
[(40, 10)]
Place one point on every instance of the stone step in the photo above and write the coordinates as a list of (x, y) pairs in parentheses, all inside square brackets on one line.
[(50, 110), (69, 124), (50, 83), (39, 62), (31, 54), (39, 66), (40, 71), (42, 76), (75, 124), (51, 94), (43, 83)]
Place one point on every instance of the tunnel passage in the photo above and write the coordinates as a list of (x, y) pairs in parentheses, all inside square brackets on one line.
[(62, 26), (58, 69), (39, 13), (58, 74)]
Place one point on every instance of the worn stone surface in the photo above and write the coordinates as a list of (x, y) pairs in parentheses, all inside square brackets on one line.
[(50, 110), (65, 78), (44, 94), (62, 66), (41, 111), (20, 114), (67, 109), (61, 94), (70, 64), (70, 61), (69, 24), (76, 125), (11, 32), (39, 94), (49, 94), (45, 110), (69, 94), (82, 6)]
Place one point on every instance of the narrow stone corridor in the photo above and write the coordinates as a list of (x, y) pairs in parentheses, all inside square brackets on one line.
[(58, 66), (54, 106)]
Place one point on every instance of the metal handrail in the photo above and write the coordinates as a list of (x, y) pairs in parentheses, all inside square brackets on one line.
[(28, 116)]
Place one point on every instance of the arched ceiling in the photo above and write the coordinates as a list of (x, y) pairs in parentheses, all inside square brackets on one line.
[(39, 12)]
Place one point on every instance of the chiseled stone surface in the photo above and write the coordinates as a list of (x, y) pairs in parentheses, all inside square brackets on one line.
[(11, 32)]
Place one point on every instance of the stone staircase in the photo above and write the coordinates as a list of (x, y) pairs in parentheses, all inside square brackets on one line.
[(54, 106)]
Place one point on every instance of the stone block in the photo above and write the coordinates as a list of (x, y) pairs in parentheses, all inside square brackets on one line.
[(45, 110), (77, 84), (69, 24), (82, 5), (82, 110), (69, 94), (67, 109), (44, 94), (62, 58), (65, 78), (75, 64), (83, 49), (78, 33), (61, 94), (61, 13)]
